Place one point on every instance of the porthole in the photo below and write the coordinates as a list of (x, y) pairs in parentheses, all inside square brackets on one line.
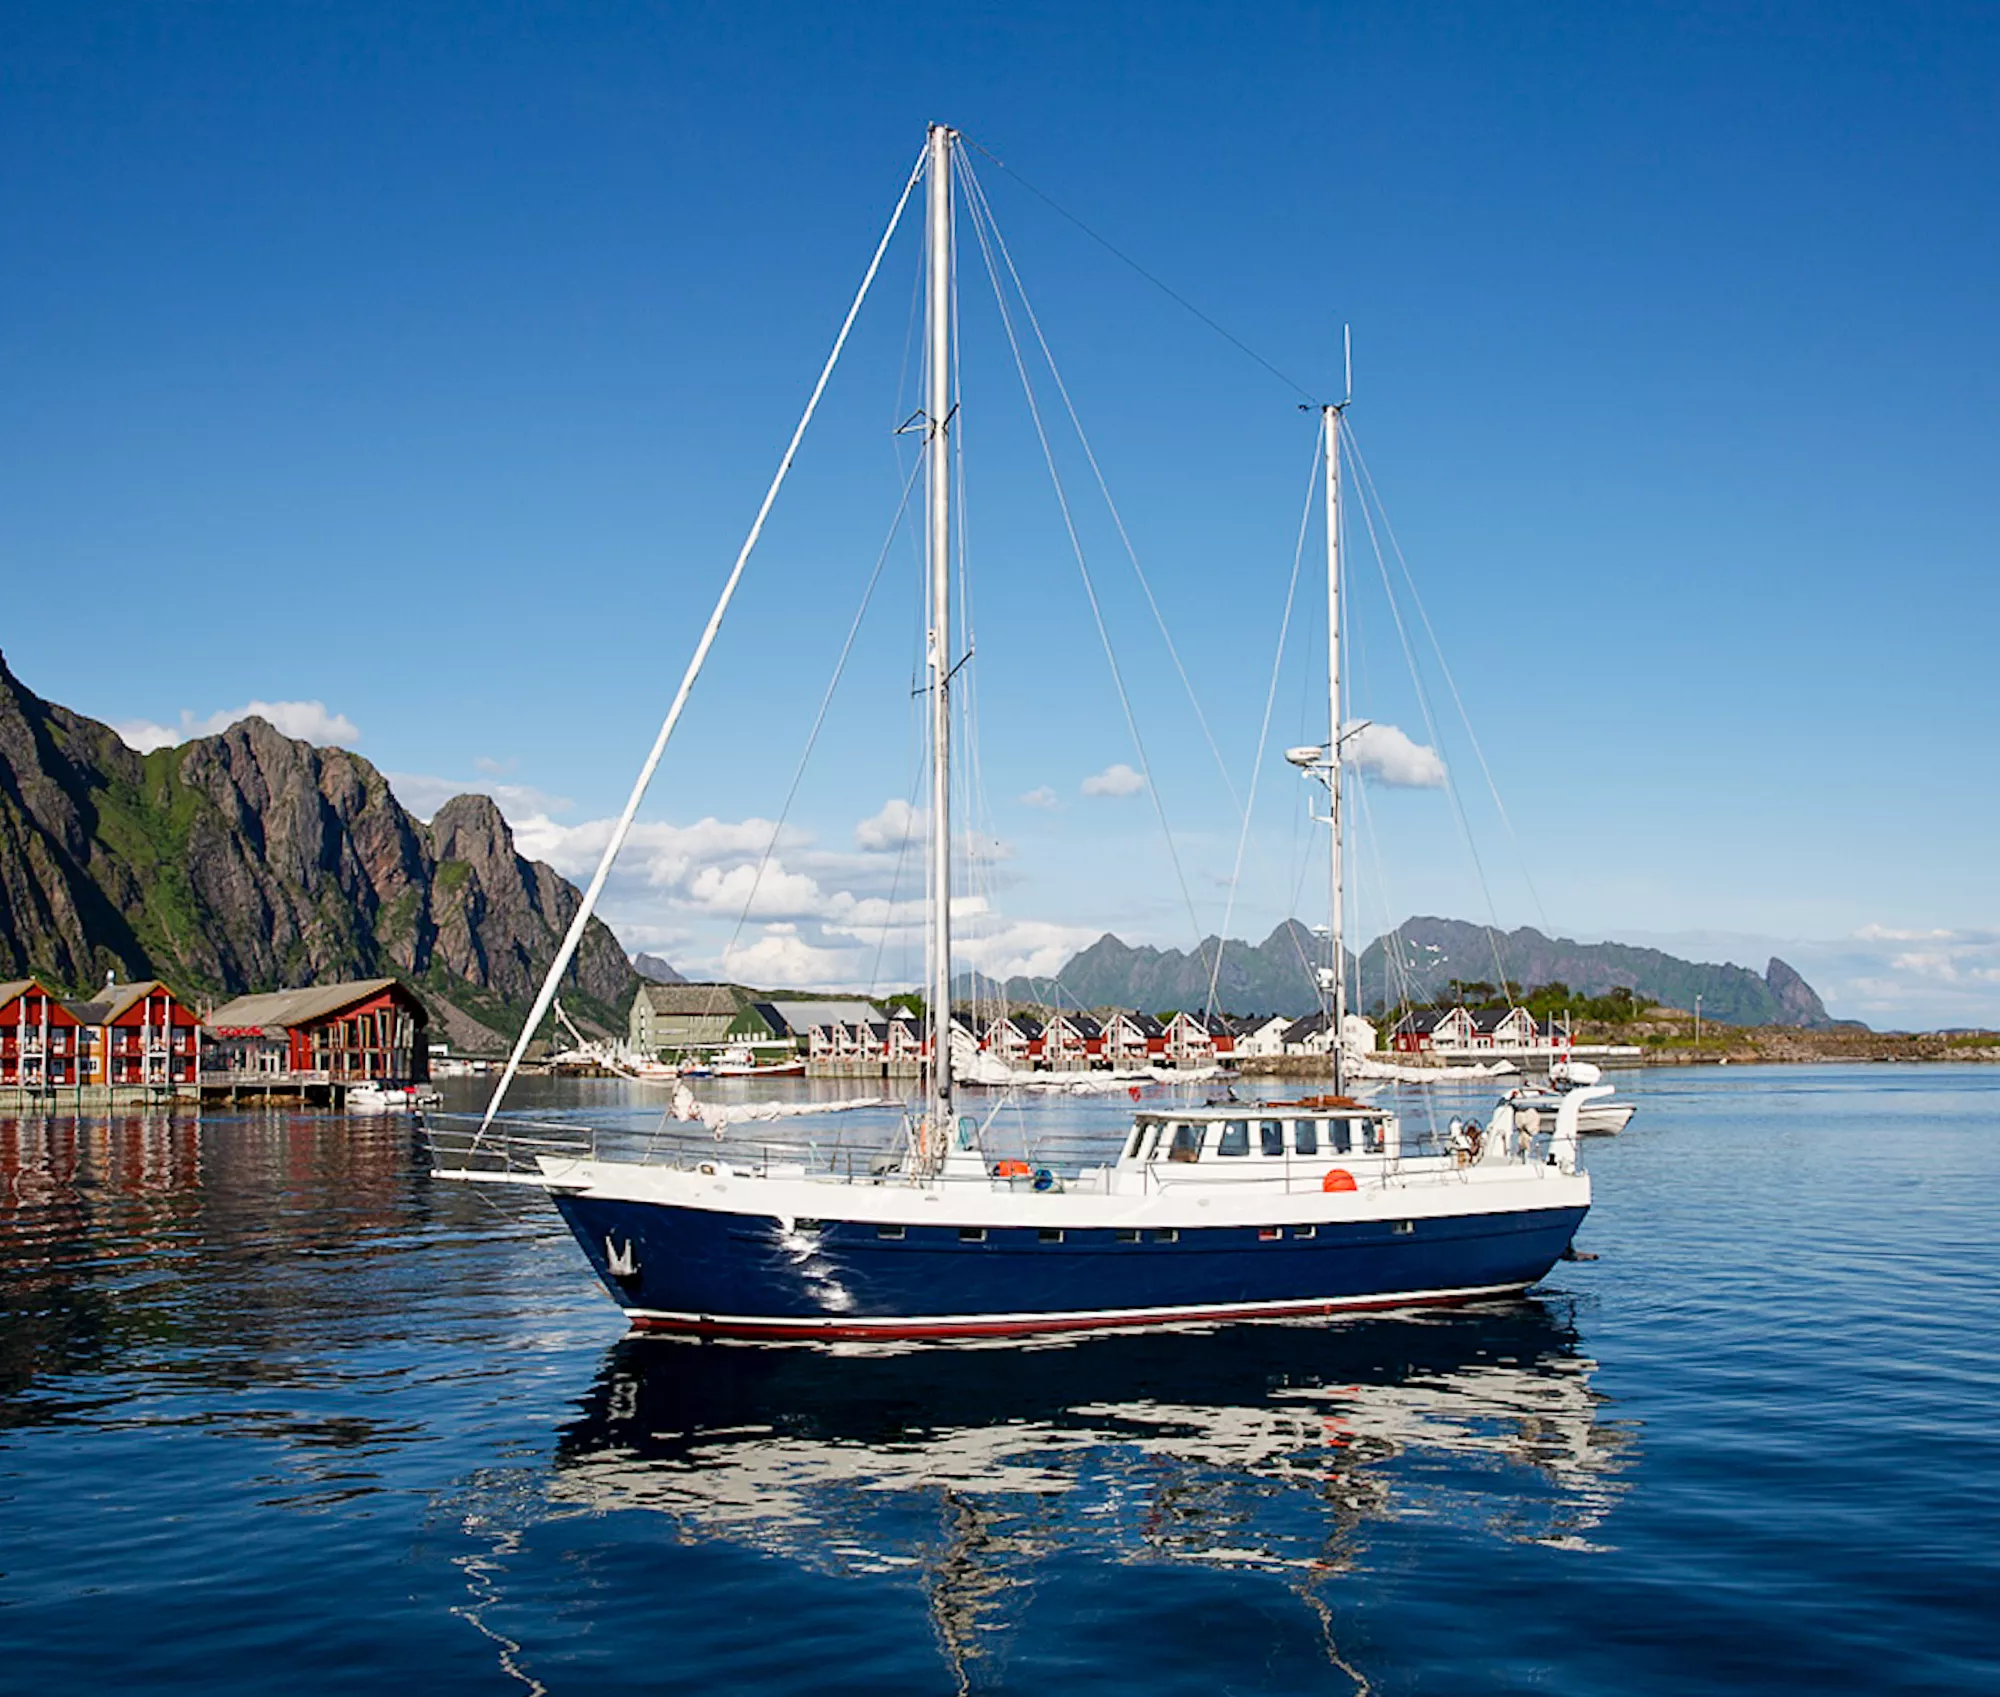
[(1305, 1231), (1402, 1228), (1050, 1234), (889, 1231), (1127, 1236), (971, 1234), (1167, 1234)]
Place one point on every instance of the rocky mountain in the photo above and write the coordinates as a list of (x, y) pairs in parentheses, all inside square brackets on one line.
[(1416, 963), (1425, 954), (250, 861), (655, 971), (1274, 976)]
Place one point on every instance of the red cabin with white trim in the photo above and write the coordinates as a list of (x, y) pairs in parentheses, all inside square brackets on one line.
[(42, 1044), (140, 1034)]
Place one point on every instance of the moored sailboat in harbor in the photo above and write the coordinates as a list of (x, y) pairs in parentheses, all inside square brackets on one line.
[(1229, 1210)]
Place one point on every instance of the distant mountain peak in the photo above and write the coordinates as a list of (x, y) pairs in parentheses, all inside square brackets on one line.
[(1798, 998), (1416, 962), (249, 859)]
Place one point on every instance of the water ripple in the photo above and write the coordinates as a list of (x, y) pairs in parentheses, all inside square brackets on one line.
[(283, 1404)]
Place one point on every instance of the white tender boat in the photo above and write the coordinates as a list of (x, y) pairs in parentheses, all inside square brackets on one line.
[(379, 1097), (1596, 1118)]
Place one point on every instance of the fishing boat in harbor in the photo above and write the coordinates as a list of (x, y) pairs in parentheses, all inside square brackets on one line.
[(1229, 1210), (377, 1096), (739, 1060)]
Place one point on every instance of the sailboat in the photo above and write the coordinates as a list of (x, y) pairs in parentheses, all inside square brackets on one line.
[(1232, 1211)]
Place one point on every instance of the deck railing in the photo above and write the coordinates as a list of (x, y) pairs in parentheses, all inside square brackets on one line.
[(517, 1148), (521, 1146)]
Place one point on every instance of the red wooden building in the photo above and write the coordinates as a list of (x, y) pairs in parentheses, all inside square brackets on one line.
[(42, 1043), (139, 1034), (371, 1028)]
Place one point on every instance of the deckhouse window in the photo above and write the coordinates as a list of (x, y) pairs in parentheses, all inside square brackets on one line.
[(1271, 1137), (1305, 1137), (1235, 1138), (1339, 1136), (1187, 1143)]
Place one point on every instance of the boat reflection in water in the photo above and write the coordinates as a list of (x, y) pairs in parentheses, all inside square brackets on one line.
[(1267, 1446)]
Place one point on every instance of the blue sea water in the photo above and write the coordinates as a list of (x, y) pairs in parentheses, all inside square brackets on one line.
[(278, 1410)]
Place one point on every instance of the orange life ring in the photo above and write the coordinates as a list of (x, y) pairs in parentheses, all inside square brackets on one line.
[(1337, 1178), (1011, 1169)]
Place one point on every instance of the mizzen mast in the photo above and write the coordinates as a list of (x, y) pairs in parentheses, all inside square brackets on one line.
[(1336, 892), (939, 1115)]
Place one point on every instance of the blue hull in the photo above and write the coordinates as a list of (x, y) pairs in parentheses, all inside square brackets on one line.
[(739, 1275)]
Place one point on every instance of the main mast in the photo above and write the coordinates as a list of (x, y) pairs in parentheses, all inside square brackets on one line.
[(938, 646), (1336, 1037)]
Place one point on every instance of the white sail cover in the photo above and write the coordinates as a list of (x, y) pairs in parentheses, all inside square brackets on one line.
[(1366, 1066), (716, 1115)]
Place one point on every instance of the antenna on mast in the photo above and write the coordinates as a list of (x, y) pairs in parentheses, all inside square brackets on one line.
[(1347, 362)]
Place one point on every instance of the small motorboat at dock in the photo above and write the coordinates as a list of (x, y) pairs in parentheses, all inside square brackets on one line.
[(378, 1096), (1596, 1118)]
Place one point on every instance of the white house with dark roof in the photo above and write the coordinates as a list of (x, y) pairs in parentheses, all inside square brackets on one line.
[(1133, 1040), (1070, 1041), (1262, 1036), (1015, 1038)]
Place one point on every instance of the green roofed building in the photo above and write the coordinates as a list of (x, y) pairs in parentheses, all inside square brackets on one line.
[(677, 1019), (672, 1018)]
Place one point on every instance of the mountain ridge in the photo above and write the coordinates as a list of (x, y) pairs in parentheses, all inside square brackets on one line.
[(249, 860), (1429, 954)]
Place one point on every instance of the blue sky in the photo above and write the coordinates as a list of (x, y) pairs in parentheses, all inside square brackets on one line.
[(427, 364)]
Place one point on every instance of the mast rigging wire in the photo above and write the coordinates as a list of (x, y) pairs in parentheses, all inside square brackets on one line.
[(1451, 683), (1083, 568), (578, 925), (1126, 259), (1264, 731), (819, 718), (1103, 487), (1431, 731)]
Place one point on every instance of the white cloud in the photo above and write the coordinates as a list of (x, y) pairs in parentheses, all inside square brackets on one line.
[(424, 793), (309, 721), (1383, 752), (758, 891), (142, 736), (895, 825), (1036, 947), (1927, 963), (1042, 796), (782, 957), (664, 856), (494, 768), (815, 916), (1114, 780)]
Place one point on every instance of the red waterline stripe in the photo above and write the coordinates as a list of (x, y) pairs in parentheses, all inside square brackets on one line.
[(1027, 1326)]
